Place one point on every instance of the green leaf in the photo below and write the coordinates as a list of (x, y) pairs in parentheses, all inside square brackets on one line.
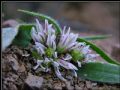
[(99, 51), (98, 37), (107, 73), (8, 35), (23, 37), (42, 16)]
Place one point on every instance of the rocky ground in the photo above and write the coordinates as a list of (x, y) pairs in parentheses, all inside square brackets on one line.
[(17, 74)]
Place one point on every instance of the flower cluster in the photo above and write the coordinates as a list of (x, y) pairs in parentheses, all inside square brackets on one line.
[(59, 51)]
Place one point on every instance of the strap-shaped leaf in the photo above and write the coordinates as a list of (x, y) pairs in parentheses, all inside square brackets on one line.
[(99, 51), (42, 16), (98, 37), (100, 72)]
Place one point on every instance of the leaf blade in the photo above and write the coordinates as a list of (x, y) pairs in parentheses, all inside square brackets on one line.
[(50, 20), (96, 37), (100, 72), (23, 37)]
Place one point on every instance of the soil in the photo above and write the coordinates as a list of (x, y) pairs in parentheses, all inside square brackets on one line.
[(17, 74)]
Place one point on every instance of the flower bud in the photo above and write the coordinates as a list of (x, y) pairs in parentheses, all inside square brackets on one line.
[(77, 55), (49, 52)]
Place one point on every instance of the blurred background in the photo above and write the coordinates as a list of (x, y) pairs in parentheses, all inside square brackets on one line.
[(85, 18)]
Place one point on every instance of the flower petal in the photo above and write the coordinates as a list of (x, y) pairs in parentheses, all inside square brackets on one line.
[(67, 65), (38, 64), (72, 39), (47, 60), (46, 25), (42, 36), (56, 64), (79, 64), (39, 26), (68, 57), (86, 49), (34, 35), (40, 48), (53, 44), (69, 47), (48, 40), (58, 74), (74, 73), (55, 55), (91, 56), (63, 32)]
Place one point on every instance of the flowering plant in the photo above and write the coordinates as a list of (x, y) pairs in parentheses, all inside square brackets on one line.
[(61, 49)]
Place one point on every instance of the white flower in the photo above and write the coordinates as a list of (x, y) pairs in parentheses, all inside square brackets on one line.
[(59, 53), (67, 40)]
